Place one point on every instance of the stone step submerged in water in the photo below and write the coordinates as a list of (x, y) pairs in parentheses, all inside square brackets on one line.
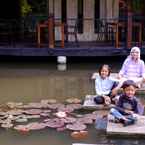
[(91, 144), (60, 116), (137, 129), (90, 104)]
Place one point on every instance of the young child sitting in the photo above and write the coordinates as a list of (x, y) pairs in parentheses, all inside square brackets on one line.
[(127, 105), (103, 85)]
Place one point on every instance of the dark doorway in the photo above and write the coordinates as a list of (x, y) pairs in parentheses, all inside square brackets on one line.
[(96, 15), (123, 19), (80, 16), (10, 14), (63, 10), (10, 9)]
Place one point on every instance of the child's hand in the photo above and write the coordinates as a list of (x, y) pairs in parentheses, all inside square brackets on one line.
[(119, 77), (94, 75), (114, 92), (129, 112), (107, 100)]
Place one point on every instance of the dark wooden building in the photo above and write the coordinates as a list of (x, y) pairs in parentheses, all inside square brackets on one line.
[(71, 27)]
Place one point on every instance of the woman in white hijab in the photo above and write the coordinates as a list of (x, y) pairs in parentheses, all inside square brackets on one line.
[(133, 68)]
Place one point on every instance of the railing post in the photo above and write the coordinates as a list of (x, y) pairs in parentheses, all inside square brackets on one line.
[(129, 30), (117, 35), (140, 35), (51, 32), (62, 35), (129, 25), (38, 35)]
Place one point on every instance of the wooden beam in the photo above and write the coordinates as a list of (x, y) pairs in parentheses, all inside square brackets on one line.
[(129, 24), (51, 32)]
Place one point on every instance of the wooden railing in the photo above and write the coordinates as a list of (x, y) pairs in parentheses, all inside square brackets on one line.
[(50, 24), (106, 30)]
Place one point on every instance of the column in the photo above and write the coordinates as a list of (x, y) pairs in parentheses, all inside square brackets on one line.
[(88, 20), (57, 16), (103, 9), (71, 14)]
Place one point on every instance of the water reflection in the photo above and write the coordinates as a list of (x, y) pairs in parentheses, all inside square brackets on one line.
[(27, 83), (62, 67)]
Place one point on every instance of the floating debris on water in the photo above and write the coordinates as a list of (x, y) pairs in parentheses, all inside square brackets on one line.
[(76, 126), (36, 126), (51, 101), (7, 125), (21, 128), (21, 120), (79, 134), (54, 123), (69, 119), (33, 111), (14, 104), (47, 114), (73, 100), (61, 114)]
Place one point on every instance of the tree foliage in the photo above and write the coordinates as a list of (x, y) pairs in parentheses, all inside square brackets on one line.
[(137, 5), (25, 7), (38, 6)]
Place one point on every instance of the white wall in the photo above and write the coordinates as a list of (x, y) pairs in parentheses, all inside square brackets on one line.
[(103, 8), (71, 14), (107, 10), (88, 29), (50, 6), (112, 9), (57, 14)]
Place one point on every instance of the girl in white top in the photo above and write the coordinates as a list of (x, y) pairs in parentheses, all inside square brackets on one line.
[(103, 85)]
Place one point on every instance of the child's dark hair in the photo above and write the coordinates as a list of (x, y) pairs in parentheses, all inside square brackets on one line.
[(107, 66), (128, 83)]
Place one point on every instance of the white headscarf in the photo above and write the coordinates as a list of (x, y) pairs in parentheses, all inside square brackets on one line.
[(135, 49)]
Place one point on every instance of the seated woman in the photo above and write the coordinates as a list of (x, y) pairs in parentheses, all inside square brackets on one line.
[(133, 68), (104, 85)]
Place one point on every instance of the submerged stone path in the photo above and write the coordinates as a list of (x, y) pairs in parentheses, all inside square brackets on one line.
[(90, 104), (118, 129), (47, 114), (61, 116)]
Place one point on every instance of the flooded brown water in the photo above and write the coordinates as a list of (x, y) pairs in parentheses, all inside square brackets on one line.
[(31, 82)]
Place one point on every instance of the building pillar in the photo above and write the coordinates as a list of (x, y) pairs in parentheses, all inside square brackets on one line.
[(88, 20), (51, 6), (103, 8), (71, 9), (57, 16), (71, 14), (112, 9), (116, 9)]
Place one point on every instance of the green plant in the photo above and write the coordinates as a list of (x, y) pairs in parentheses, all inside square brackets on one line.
[(25, 7), (137, 5)]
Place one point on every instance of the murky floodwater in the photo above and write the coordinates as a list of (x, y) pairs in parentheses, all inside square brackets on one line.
[(31, 82), (35, 81)]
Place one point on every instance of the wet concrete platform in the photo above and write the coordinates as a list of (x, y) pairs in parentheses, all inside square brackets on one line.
[(90, 104), (118, 129)]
